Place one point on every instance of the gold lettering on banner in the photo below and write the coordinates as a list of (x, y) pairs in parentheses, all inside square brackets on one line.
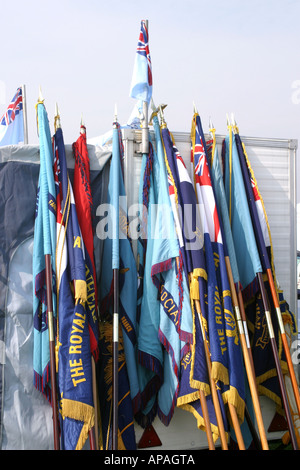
[(219, 321), (76, 365)]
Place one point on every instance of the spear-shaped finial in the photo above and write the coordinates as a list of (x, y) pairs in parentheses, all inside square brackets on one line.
[(228, 120), (154, 111), (211, 127), (195, 109), (234, 124), (160, 109), (82, 126), (56, 118), (40, 98)]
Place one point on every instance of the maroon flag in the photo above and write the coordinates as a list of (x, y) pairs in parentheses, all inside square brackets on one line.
[(83, 203)]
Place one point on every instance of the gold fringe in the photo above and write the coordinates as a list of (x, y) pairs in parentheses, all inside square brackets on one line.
[(219, 372), (232, 396), (81, 412), (201, 424)]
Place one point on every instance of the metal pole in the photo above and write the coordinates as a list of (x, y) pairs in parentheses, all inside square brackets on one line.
[(25, 114), (52, 351), (115, 358), (145, 128)]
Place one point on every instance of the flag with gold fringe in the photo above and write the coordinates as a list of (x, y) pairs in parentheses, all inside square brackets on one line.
[(227, 362), (84, 204), (194, 374), (118, 254), (73, 338)]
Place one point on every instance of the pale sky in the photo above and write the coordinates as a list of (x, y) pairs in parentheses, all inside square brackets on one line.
[(226, 56)]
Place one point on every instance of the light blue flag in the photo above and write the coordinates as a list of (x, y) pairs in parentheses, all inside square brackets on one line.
[(247, 255), (44, 243), (118, 254), (176, 322), (150, 351), (11, 123), (141, 84)]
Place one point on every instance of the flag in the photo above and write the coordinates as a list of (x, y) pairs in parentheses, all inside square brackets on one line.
[(141, 84), (194, 375), (11, 123), (263, 238), (118, 254), (84, 204), (44, 244), (174, 322), (73, 336), (218, 183), (150, 356), (247, 254), (227, 363)]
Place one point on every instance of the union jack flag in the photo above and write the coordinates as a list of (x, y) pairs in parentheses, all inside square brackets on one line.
[(13, 109), (143, 49), (201, 172)]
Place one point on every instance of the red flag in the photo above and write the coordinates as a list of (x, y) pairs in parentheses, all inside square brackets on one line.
[(84, 203)]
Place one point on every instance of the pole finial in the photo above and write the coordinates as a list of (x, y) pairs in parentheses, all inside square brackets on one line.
[(40, 98), (160, 109), (56, 118)]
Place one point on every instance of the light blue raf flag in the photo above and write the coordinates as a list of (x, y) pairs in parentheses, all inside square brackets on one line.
[(118, 254), (141, 84), (175, 322), (150, 351), (246, 251), (44, 243)]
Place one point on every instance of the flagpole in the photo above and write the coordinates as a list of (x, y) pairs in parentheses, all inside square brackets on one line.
[(145, 128), (93, 433), (49, 293), (52, 350), (215, 397), (25, 114), (115, 332), (277, 362), (272, 338), (247, 359), (232, 408), (276, 303)]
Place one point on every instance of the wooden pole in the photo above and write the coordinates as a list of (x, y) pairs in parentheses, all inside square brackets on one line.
[(213, 388), (277, 363), (115, 358), (211, 444), (245, 166), (52, 351), (247, 361), (284, 339)]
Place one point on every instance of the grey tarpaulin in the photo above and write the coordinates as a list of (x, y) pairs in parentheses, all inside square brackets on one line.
[(25, 415)]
